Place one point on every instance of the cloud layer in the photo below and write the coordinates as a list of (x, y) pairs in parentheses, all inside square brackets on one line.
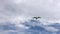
[(47, 9), (14, 12)]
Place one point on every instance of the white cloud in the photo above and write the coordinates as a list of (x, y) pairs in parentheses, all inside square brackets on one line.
[(52, 29)]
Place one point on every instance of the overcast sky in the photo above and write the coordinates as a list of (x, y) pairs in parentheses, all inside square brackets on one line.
[(47, 9), (15, 12)]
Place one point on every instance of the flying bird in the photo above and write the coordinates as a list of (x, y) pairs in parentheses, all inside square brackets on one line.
[(36, 18)]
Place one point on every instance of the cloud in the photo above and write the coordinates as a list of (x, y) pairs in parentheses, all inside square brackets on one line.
[(27, 26), (47, 9), (11, 11), (52, 29)]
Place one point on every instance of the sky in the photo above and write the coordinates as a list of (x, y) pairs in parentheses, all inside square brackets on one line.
[(14, 12), (47, 9)]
